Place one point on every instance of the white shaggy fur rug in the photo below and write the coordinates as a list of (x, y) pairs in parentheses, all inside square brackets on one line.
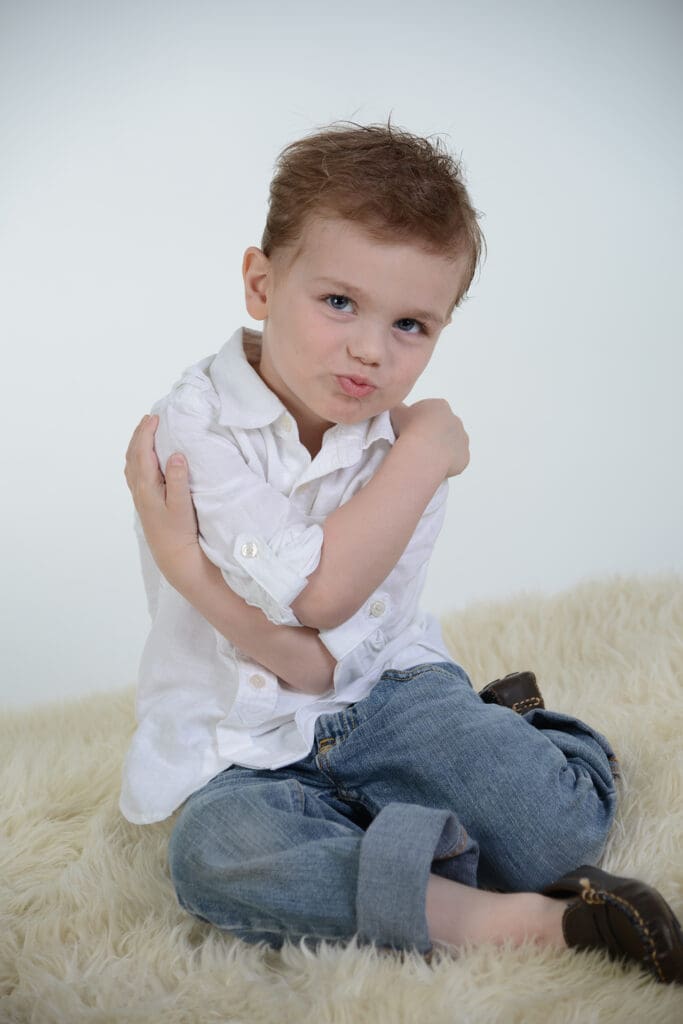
[(91, 930)]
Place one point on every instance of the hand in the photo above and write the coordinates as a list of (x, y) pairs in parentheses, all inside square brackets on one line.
[(164, 505), (435, 425)]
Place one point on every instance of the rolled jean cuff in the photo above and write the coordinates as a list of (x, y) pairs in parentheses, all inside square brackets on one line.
[(396, 858)]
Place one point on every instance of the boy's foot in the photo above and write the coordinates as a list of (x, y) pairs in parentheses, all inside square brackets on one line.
[(517, 690), (623, 916)]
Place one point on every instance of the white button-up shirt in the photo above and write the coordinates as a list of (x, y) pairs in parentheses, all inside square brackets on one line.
[(202, 705)]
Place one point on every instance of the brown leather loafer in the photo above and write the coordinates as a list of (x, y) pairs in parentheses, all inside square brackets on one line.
[(517, 690), (626, 918)]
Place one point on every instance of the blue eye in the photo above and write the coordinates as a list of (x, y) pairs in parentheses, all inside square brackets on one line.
[(406, 324), (409, 320), (329, 299)]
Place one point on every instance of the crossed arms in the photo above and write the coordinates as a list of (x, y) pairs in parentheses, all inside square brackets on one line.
[(369, 532)]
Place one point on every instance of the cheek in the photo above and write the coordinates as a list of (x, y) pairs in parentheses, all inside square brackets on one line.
[(323, 342), (410, 368)]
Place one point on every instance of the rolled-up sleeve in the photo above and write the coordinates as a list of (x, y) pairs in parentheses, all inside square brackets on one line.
[(264, 546)]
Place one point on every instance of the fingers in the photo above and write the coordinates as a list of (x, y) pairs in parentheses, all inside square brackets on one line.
[(177, 480), (178, 495), (142, 471), (147, 425)]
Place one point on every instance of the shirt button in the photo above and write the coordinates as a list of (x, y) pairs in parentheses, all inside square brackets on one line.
[(286, 425), (249, 550), (257, 681), (377, 609)]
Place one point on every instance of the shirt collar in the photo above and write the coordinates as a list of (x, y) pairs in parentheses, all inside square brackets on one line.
[(247, 402), (359, 436)]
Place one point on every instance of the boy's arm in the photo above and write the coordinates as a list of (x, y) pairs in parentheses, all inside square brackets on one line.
[(365, 537), (362, 540), (168, 519), (295, 654), (270, 552), (264, 545)]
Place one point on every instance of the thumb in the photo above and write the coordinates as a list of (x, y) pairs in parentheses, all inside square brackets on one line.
[(178, 497)]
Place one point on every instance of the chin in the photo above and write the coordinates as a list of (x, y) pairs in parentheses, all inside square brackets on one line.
[(354, 410), (348, 419)]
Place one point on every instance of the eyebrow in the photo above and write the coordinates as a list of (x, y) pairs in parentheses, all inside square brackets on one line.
[(352, 289)]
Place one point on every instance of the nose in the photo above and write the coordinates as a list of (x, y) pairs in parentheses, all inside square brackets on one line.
[(367, 347)]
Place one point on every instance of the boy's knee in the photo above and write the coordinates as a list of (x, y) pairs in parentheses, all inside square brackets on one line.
[(201, 845), (216, 837), (563, 828), (201, 864), (186, 857)]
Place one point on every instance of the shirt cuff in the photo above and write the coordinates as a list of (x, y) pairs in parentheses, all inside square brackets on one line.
[(341, 640), (280, 576)]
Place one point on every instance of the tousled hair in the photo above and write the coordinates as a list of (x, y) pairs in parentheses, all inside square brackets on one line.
[(396, 185)]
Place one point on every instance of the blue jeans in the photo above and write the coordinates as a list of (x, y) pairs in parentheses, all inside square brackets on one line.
[(421, 776)]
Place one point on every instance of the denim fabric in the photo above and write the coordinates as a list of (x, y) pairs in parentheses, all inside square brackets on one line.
[(421, 776)]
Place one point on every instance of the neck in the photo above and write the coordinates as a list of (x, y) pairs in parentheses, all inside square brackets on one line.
[(311, 439), (311, 427)]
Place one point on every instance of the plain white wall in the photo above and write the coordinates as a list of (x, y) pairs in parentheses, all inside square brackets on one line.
[(138, 140)]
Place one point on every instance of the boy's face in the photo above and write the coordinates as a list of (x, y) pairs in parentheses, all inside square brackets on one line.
[(349, 324)]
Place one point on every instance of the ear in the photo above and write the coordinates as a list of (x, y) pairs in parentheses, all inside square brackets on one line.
[(256, 273)]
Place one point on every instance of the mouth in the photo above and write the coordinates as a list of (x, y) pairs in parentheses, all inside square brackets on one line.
[(357, 387)]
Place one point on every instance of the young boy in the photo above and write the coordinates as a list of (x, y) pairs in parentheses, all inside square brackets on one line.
[(338, 774)]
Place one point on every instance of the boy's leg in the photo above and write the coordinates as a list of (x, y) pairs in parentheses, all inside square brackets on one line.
[(535, 791), (279, 855)]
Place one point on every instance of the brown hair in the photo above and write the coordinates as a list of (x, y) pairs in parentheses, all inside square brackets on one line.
[(395, 184)]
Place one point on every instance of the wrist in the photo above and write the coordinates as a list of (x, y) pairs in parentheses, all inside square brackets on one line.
[(190, 572), (305, 663), (424, 452)]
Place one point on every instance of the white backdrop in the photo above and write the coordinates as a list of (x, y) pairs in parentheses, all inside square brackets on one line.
[(137, 143)]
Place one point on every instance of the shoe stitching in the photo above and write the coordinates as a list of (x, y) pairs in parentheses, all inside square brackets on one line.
[(527, 704), (611, 898), (593, 897)]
